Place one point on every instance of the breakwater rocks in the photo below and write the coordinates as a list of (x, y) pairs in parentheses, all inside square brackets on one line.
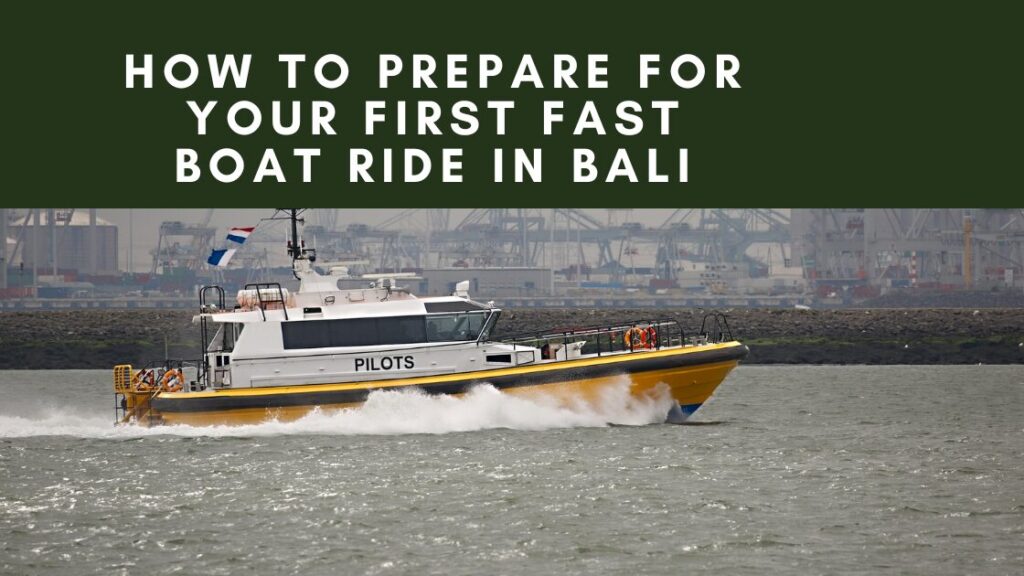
[(102, 338), (835, 336)]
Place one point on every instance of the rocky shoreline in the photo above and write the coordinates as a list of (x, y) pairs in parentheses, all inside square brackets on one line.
[(102, 338)]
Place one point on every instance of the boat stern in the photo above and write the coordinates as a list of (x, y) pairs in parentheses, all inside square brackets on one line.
[(134, 391)]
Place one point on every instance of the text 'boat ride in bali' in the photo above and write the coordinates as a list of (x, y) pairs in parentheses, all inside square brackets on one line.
[(278, 355)]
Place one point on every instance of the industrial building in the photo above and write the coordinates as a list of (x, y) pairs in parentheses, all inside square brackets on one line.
[(56, 252), (833, 256), (872, 250), (52, 240)]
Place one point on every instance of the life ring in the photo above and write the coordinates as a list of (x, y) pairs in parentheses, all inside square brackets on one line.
[(635, 338), (172, 380), (652, 337), (145, 381)]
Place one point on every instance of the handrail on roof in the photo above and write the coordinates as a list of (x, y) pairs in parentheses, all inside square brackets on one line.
[(259, 287)]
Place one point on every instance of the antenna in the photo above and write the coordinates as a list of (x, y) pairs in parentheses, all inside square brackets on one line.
[(296, 247), (294, 250)]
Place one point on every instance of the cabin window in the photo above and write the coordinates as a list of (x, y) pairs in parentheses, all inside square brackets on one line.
[(475, 323), (401, 330), (500, 358), (454, 327), (353, 332), (492, 319), (231, 333), (224, 338), (306, 334), (300, 334)]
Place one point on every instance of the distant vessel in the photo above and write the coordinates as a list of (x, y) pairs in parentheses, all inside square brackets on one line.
[(280, 355)]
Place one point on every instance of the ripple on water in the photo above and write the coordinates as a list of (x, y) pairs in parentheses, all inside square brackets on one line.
[(793, 469)]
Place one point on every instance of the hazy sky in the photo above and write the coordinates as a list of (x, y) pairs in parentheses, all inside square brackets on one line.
[(146, 226)]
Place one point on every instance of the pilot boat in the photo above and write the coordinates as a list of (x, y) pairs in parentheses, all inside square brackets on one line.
[(279, 355)]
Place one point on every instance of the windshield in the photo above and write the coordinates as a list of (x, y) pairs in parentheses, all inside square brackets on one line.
[(455, 327)]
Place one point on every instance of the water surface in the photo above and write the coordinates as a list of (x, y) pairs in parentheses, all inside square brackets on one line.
[(846, 469)]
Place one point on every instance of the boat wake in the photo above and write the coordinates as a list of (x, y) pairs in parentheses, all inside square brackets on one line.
[(387, 413)]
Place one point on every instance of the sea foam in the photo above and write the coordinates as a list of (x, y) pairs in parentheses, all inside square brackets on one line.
[(385, 413)]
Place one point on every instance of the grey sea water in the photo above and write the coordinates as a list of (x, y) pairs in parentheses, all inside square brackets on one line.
[(892, 469)]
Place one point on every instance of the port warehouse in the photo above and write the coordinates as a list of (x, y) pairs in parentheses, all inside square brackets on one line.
[(756, 255), (79, 238)]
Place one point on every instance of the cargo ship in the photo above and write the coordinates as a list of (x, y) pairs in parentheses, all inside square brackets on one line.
[(275, 354)]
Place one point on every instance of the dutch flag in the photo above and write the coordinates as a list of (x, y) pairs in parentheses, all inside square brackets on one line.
[(240, 234), (220, 258)]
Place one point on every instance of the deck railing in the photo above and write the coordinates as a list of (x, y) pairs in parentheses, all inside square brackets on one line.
[(211, 298), (637, 336), (715, 327), (633, 337)]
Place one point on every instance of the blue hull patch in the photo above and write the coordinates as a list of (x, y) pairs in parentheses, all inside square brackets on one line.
[(690, 408), (679, 413)]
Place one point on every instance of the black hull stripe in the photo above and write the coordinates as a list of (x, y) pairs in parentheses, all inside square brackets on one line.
[(206, 404)]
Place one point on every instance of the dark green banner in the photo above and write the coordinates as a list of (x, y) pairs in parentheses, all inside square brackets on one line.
[(746, 104)]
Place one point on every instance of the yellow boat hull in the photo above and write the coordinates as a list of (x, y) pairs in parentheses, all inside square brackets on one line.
[(690, 374)]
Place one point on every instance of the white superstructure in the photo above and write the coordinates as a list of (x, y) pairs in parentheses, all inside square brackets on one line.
[(322, 334)]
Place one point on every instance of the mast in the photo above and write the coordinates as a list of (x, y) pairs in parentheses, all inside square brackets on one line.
[(294, 249)]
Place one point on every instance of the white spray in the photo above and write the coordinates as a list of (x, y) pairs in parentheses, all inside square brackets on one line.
[(387, 413)]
